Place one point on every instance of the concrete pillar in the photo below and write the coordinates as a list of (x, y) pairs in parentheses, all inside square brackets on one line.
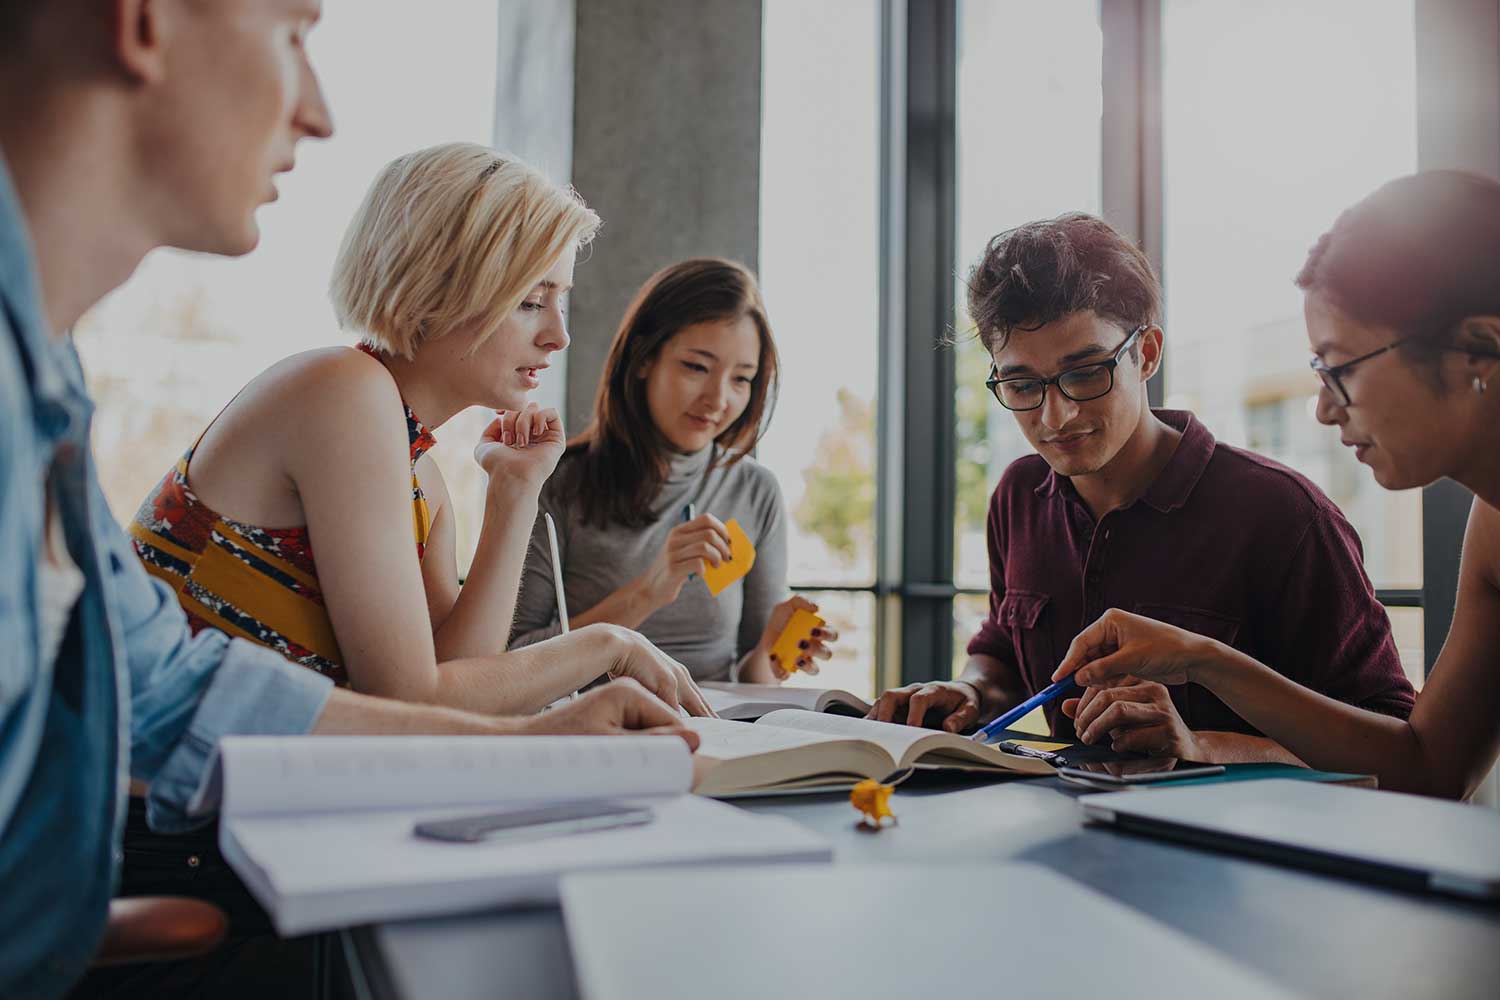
[(666, 147)]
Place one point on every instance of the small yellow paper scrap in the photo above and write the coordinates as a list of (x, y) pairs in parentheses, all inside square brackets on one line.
[(799, 627), (873, 799), (741, 558)]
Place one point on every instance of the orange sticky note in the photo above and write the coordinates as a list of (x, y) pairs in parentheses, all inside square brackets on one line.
[(799, 627), (741, 558)]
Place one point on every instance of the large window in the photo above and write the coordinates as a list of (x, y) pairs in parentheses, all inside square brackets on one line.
[(167, 351), (1256, 165), (1028, 147), (819, 248)]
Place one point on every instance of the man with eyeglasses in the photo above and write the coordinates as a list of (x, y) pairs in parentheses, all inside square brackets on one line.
[(1128, 507)]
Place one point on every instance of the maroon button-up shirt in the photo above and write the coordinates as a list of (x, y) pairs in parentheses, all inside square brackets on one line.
[(1225, 542)]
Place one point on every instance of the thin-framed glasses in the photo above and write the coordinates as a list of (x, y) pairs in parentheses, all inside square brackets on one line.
[(1080, 384), (1333, 375)]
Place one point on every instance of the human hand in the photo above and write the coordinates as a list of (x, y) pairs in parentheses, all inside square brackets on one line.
[(687, 548), (1121, 644), (633, 656), (621, 708), (521, 447), (1133, 715), (810, 650), (958, 701)]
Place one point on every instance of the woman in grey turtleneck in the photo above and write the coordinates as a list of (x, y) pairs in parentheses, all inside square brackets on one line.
[(686, 393)]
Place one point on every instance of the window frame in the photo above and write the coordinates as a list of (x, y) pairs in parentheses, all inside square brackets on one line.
[(915, 434)]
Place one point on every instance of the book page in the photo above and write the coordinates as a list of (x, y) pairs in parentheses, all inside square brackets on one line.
[(740, 699), (894, 739), (280, 775), (770, 695), (739, 757), (906, 744), (723, 739)]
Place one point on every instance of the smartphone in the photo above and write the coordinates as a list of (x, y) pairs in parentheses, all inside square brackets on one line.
[(535, 824), (1184, 769)]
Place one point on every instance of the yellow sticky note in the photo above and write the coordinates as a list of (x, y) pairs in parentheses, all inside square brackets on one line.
[(873, 799), (1040, 745), (798, 627), (741, 558)]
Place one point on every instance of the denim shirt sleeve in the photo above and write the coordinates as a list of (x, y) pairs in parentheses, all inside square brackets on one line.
[(186, 691)]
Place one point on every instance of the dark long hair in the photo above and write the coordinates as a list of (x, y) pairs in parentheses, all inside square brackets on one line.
[(617, 465), (1419, 255)]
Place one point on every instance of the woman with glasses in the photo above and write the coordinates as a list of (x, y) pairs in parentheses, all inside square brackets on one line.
[(1402, 300), (642, 496), (1128, 506)]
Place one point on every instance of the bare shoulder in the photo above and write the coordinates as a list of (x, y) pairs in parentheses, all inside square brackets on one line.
[(1482, 544), (331, 379), (292, 420)]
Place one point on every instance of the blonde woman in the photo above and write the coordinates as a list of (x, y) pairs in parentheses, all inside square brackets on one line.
[(453, 274)]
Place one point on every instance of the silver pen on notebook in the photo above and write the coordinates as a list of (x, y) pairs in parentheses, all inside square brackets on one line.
[(557, 580), (557, 576)]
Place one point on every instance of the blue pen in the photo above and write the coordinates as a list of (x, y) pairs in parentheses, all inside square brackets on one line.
[(1049, 693), (688, 513)]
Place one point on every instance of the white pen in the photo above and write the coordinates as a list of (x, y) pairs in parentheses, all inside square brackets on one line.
[(557, 583), (557, 577)]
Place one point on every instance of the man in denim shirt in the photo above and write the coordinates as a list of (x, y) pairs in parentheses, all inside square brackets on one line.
[(124, 126)]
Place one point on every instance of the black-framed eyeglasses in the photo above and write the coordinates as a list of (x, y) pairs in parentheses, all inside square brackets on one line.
[(1080, 384)]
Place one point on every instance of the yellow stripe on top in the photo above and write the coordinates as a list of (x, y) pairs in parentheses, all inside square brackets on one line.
[(242, 586), (421, 515), (255, 583)]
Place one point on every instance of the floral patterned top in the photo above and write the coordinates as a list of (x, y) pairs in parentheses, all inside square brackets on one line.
[(256, 583)]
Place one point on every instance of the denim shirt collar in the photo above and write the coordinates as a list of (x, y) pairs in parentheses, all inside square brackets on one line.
[(58, 396)]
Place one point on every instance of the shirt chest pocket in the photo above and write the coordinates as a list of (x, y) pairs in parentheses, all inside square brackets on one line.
[(1197, 707), (1026, 616), (1210, 623)]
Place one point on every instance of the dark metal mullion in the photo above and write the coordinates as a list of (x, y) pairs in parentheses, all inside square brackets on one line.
[(1401, 598), (1445, 512), (927, 425)]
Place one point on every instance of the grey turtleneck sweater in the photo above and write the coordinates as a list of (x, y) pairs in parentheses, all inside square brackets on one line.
[(707, 634)]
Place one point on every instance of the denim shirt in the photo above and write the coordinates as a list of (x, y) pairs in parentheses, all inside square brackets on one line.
[(132, 694)]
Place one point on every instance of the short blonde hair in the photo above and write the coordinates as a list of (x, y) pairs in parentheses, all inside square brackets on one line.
[(449, 237)]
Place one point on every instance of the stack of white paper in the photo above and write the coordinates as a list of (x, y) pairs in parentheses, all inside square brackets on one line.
[(890, 932), (321, 828)]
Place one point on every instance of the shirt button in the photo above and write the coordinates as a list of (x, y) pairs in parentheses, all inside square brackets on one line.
[(53, 419), (193, 861)]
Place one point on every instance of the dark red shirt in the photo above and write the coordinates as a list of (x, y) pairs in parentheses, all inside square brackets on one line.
[(1225, 542)]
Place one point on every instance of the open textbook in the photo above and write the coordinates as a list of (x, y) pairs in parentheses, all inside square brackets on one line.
[(321, 829), (795, 750), (751, 701)]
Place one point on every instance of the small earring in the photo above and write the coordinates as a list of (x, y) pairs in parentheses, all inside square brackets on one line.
[(1480, 385)]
